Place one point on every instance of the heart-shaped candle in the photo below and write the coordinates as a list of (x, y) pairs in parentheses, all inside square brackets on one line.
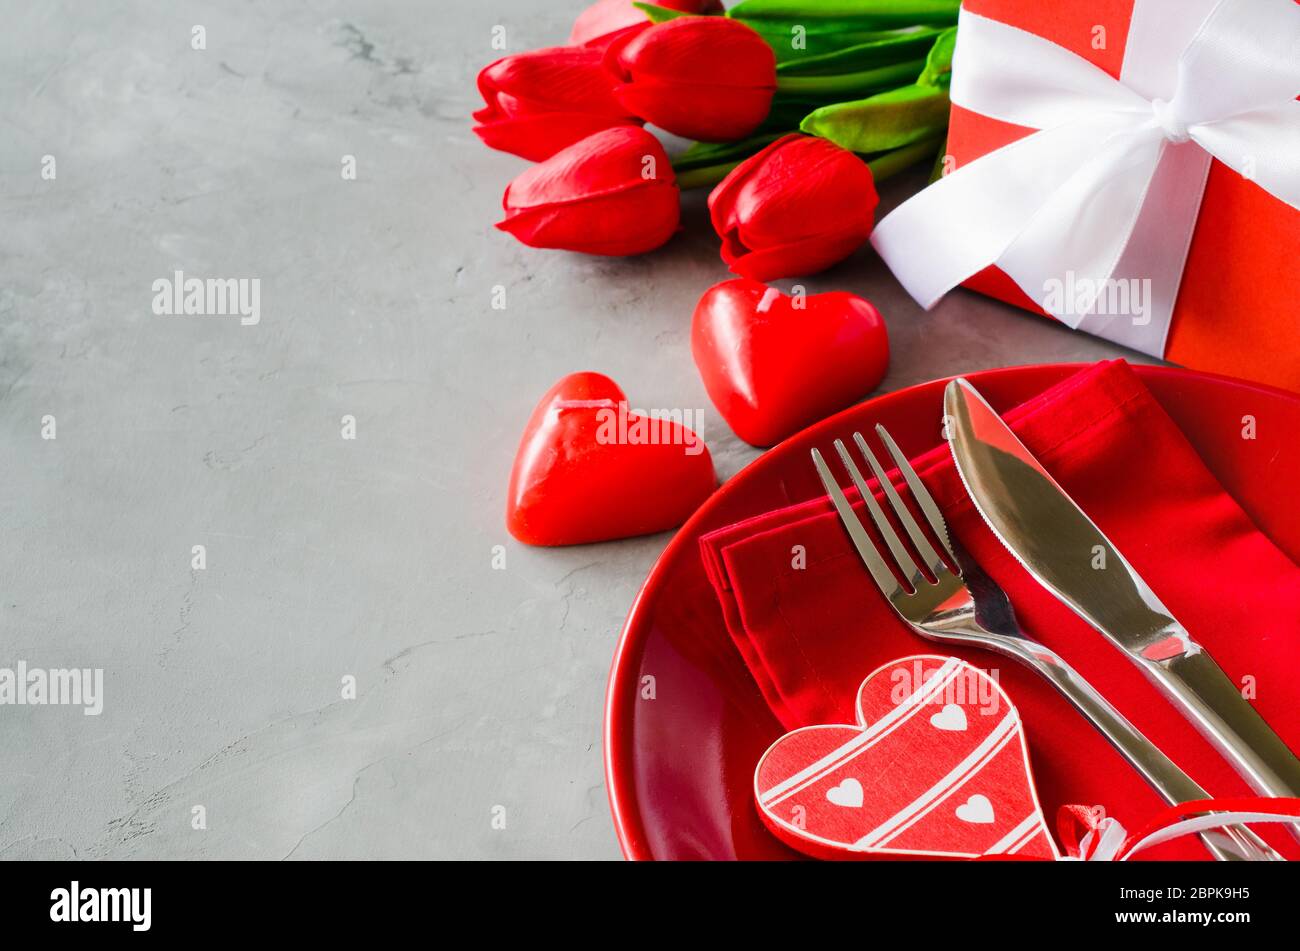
[(774, 364), (936, 767), (590, 469)]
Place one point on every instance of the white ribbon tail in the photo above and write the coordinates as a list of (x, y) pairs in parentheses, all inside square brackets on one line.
[(1196, 824), (962, 223), (1088, 222), (1103, 844), (1262, 146)]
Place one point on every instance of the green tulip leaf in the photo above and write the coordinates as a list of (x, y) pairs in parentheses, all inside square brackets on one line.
[(658, 14), (936, 173), (894, 161), (706, 154), (797, 43), (860, 13), (838, 32), (938, 65), (885, 121), (848, 85), (890, 47), (787, 112)]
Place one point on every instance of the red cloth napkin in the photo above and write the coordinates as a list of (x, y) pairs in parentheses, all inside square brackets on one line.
[(811, 635)]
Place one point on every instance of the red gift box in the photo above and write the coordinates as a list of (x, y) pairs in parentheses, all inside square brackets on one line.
[(1235, 309)]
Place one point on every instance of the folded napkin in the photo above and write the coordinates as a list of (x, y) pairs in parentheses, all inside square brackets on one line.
[(810, 634)]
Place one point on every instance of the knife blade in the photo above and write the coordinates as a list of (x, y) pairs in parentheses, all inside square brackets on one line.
[(1069, 555)]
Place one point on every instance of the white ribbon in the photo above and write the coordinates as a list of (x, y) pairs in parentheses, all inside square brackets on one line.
[(1110, 835), (1110, 187)]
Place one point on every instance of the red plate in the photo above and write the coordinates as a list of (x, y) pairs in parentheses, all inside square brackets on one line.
[(680, 768)]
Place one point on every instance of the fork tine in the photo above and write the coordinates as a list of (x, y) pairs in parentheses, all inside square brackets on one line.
[(906, 563), (919, 491), (884, 578), (922, 544)]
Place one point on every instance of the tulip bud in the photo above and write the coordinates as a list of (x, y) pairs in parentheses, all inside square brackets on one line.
[(795, 208), (706, 78), (613, 193), (545, 100), (604, 18)]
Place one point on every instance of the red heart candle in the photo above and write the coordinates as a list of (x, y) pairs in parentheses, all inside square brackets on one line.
[(590, 469), (774, 364), (936, 767)]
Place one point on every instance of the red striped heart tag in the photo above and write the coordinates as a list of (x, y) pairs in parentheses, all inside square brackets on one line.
[(936, 767)]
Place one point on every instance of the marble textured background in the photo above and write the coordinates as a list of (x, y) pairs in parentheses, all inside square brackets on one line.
[(372, 558)]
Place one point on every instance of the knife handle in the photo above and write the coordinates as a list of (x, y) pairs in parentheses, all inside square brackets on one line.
[(1217, 708), (1228, 844)]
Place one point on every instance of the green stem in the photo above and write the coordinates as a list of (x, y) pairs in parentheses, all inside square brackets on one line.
[(905, 12), (705, 177), (891, 163), (936, 172), (852, 82), (883, 166)]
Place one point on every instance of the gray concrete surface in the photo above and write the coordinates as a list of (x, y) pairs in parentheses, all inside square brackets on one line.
[(325, 558)]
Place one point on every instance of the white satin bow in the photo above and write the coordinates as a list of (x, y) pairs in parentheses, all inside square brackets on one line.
[(1110, 187)]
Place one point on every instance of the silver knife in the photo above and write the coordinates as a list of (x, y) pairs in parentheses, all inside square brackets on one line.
[(1059, 545)]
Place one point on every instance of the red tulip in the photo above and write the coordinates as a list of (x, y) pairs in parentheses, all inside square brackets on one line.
[(795, 208), (606, 17), (706, 78), (545, 100), (612, 193)]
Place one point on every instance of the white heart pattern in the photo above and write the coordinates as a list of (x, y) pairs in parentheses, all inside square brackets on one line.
[(951, 717), (848, 794), (976, 809)]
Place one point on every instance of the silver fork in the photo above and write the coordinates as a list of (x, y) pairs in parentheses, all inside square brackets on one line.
[(953, 601)]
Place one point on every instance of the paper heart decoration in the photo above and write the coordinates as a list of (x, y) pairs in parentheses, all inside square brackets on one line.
[(937, 767), (774, 364), (589, 468)]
